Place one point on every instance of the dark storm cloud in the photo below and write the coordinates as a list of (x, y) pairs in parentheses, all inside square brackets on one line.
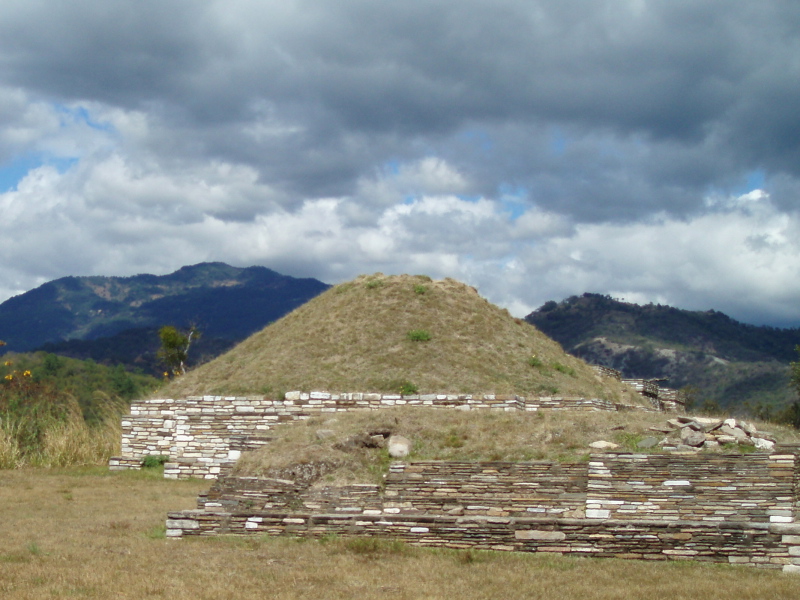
[(365, 82)]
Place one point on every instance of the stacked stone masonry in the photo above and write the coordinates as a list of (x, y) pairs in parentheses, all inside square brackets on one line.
[(491, 489), (772, 546), (756, 488), (204, 436), (735, 509)]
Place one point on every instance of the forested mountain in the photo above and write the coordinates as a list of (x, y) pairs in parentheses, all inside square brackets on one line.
[(115, 319), (738, 366)]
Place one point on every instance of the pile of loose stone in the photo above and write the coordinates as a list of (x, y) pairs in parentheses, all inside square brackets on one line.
[(687, 434)]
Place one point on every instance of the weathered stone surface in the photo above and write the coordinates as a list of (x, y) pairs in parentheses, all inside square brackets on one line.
[(795, 569), (360, 440), (692, 437), (726, 439), (695, 425), (648, 442), (399, 446), (603, 445), (748, 428), (533, 534), (763, 444)]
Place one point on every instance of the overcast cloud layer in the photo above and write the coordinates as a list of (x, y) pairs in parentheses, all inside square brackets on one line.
[(535, 149)]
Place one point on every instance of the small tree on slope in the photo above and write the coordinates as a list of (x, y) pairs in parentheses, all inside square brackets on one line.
[(794, 409), (175, 347)]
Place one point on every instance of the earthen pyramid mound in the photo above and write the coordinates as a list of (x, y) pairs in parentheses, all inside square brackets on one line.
[(402, 334)]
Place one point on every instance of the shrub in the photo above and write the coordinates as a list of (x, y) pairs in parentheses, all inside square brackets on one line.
[(407, 388), (154, 460), (419, 335), (535, 362), (420, 289), (564, 369)]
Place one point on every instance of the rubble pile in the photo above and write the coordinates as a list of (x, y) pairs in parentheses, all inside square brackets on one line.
[(692, 434), (708, 433)]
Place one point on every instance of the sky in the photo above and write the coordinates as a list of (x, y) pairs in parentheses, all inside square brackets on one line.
[(649, 150)]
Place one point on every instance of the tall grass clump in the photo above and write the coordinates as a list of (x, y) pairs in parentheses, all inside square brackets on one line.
[(41, 426)]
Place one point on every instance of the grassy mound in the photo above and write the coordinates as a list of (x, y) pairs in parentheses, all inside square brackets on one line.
[(399, 334), (454, 435)]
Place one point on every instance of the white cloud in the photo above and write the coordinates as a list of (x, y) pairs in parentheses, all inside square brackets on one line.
[(731, 260), (111, 217)]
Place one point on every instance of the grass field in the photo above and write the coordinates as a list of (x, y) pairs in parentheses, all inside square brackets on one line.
[(88, 533)]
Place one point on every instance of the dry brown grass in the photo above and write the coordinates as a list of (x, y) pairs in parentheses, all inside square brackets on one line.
[(444, 434), (67, 442), (82, 533), (355, 337)]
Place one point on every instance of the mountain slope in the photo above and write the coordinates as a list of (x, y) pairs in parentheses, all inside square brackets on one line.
[(225, 302), (136, 349), (359, 336), (730, 363)]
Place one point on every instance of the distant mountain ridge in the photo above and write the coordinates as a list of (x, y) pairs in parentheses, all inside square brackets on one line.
[(225, 302), (730, 363)]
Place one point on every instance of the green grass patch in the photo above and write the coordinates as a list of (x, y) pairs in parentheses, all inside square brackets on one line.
[(564, 369), (535, 362), (154, 460), (419, 335), (158, 532), (374, 284), (407, 388)]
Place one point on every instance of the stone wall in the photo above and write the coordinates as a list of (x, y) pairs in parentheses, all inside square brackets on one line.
[(204, 436), (721, 508), (756, 488), (487, 488), (661, 398), (767, 545)]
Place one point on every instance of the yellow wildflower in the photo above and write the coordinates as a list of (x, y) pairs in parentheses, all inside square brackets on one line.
[(26, 374), (8, 363), (9, 377)]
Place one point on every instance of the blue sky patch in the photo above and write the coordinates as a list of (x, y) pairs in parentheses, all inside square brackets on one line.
[(480, 138), (12, 172), (80, 114), (558, 142), (514, 200)]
